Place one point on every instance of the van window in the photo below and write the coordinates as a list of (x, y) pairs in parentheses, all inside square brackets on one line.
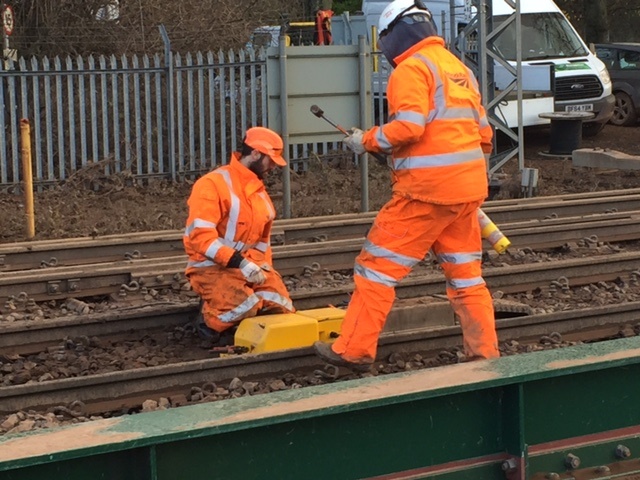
[(544, 35), (629, 60), (609, 57)]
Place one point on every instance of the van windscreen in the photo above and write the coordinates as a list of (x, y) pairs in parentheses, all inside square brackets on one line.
[(544, 35)]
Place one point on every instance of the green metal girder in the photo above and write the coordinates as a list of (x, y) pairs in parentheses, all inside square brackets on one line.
[(448, 423)]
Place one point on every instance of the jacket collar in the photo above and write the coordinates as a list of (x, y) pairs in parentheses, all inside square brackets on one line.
[(429, 41)]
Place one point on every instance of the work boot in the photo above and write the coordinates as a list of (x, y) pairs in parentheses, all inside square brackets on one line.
[(326, 353), (217, 339), (204, 332)]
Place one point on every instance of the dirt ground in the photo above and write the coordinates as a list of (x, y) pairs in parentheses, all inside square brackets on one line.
[(90, 204)]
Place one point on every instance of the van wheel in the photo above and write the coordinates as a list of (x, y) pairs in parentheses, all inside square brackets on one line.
[(624, 113), (591, 129)]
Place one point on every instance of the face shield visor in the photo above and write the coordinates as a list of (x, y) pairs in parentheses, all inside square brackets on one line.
[(404, 32)]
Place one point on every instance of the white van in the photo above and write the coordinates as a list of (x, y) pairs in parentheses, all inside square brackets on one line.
[(582, 82)]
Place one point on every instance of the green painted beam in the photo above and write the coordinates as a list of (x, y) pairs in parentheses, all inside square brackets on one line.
[(455, 422)]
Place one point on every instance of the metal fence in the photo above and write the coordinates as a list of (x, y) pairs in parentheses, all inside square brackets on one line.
[(116, 111)]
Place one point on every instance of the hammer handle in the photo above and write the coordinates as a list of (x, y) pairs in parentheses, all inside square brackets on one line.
[(381, 159)]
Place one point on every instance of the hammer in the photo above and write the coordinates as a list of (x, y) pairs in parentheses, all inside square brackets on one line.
[(318, 112)]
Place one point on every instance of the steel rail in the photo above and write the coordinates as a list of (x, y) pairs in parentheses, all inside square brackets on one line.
[(132, 276), (110, 248), (29, 336), (117, 388)]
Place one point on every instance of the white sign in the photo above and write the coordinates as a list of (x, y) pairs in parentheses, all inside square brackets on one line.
[(7, 20)]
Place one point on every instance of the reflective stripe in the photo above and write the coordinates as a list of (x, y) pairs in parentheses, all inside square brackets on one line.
[(394, 257), (460, 114), (198, 223), (234, 211), (238, 312), (262, 246), (439, 101), (458, 283), (374, 276), (204, 263), (275, 297), (438, 159), (458, 258), (213, 249), (441, 111), (382, 140), (484, 122), (474, 80), (413, 117), (272, 212)]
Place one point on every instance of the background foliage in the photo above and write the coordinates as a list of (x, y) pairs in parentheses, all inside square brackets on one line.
[(70, 27)]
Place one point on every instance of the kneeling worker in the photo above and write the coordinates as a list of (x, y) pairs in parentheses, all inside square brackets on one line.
[(227, 239)]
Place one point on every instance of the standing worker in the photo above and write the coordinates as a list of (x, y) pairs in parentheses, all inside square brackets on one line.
[(227, 239), (437, 134)]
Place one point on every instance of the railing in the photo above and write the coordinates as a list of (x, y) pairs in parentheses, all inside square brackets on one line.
[(116, 111)]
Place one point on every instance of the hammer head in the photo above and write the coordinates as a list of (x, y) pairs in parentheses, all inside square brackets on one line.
[(317, 111)]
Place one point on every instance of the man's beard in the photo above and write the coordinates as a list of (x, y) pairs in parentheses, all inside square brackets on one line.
[(257, 168)]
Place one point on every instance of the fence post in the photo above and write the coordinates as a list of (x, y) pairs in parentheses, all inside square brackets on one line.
[(364, 165), (25, 137), (168, 59), (284, 127)]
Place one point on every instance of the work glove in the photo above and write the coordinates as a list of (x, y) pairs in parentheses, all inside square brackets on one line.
[(252, 272), (354, 141)]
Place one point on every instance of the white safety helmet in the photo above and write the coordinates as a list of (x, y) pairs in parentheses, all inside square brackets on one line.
[(403, 24), (398, 9)]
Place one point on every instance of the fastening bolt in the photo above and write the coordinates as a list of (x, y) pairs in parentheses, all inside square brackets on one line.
[(509, 465), (622, 451), (552, 476), (572, 461)]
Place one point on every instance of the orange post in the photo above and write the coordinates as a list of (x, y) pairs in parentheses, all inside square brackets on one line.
[(27, 172)]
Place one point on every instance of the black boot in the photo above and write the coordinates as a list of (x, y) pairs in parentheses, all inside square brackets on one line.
[(217, 339)]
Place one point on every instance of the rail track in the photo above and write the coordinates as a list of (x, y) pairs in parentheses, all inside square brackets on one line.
[(83, 268), (113, 248), (26, 336), (132, 276), (121, 390)]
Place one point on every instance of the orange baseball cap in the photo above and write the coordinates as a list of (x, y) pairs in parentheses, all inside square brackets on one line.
[(266, 141)]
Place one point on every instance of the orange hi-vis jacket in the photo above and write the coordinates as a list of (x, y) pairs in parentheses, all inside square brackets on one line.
[(229, 210), (437, 131)]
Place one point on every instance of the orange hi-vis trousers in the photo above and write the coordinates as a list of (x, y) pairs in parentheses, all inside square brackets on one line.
[(228, 298), (403, 233)]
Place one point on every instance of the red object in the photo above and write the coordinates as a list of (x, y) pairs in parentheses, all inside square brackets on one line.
[(323, 27), (8, 19)]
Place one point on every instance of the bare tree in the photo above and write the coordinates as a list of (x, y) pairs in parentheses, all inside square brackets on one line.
[(596, 22), (591, 17), (74, 27)]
